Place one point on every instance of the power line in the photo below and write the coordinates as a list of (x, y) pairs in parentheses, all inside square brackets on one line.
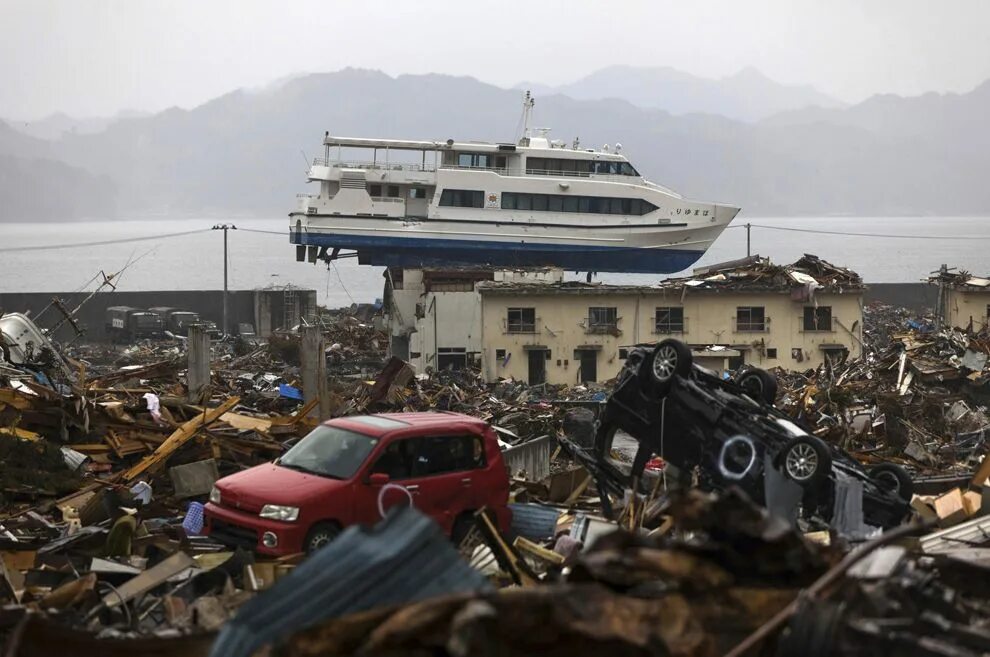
[(884, 235), (341, 281), (283, 233), (47, 247)]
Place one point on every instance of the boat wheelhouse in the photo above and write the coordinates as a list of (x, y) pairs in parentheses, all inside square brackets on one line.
[(533, 203)]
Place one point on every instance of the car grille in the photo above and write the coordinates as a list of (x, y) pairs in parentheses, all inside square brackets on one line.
[(231, 534)]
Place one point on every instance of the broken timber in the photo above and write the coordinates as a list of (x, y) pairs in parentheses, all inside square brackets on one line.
[(179, 438)]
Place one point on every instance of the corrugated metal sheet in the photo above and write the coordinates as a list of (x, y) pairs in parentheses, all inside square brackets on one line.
[(404, 558), (973, 533), (534, 521), (533, 457)]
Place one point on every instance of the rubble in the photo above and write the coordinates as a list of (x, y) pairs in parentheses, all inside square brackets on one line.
[(106, 464)]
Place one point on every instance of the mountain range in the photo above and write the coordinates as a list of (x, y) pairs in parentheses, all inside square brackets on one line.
[(746, 96), (243, 153)]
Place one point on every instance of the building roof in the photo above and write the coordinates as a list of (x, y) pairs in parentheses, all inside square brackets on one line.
[(752, 274), (961, 280)]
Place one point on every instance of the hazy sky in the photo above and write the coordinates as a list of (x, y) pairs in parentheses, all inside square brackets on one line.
[(97, 57)]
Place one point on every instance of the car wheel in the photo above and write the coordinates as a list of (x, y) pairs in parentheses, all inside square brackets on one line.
[(670, 358), (893, 479), (759, 385), (806, 461), (321, 535)]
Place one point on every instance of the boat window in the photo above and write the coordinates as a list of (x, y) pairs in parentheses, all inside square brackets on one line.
[(475, 160), (417, 192), (569, 203), (462, 198), (374, 190), (559, 166), (393, 191), (627, 169)]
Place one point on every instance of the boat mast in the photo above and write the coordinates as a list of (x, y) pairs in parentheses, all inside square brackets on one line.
[(528, 103)]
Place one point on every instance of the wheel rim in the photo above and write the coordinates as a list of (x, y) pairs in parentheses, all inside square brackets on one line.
[(802, 462), (318, 541), (890, 481), (665, 363)]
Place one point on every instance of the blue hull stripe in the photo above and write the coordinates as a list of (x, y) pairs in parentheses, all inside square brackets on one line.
[(424, 252)]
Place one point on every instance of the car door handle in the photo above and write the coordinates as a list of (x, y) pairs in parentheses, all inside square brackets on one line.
[(466, 481), (413, 488)]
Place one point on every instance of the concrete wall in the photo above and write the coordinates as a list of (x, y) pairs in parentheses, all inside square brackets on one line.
[(965, 307), (919, 297), (244, 306), (561, 317)]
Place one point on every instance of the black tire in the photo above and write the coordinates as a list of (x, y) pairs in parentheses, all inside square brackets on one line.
[(893, 479), (320, 535), (669, 358), (759, 385), (806, 461)]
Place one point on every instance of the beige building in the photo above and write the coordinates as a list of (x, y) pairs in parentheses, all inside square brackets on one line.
[(963, 300), (794, 317), (433, 316)]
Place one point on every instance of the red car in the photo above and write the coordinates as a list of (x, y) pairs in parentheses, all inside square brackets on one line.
[(449, 465)]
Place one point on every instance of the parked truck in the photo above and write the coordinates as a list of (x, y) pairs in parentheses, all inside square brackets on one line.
[(128, 323), (178, 321)]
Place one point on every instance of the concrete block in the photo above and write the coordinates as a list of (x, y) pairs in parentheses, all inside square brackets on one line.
[(193, 479)]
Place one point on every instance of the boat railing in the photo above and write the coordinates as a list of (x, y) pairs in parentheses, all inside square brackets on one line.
[(387, 199), (304, 195), (323, 162), (499, 170), (557, 173)]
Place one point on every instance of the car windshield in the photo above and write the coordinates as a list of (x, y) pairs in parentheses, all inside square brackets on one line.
[(329, 452)]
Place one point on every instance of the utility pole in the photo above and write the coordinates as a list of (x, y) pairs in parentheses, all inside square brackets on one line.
[(225, 228), (747, 239)]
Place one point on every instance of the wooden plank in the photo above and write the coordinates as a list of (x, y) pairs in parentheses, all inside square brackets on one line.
[(149, 579), (246, 422), (179, 438)]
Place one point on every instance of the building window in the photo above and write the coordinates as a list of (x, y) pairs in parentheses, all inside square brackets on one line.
[(500, 355), (602, 319), (623, 354), (818, 319), (750, 318), (521, 320), (462, 198), (772, 352), (569, 203), (669, 320)]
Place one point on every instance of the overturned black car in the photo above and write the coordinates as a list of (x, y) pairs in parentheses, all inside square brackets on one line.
[(728, 433)]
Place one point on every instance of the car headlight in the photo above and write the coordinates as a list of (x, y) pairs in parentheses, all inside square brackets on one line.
[(276, 512), (215, 495)]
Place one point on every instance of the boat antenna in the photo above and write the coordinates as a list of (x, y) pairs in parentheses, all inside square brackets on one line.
[(528, 103)]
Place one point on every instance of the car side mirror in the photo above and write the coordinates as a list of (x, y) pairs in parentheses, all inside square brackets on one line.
[(378, 479)]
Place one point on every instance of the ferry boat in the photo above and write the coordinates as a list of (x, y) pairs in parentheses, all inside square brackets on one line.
[(538, 202)]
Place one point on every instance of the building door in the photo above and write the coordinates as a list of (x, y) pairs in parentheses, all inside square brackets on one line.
[(537, 367), (589, 365)]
